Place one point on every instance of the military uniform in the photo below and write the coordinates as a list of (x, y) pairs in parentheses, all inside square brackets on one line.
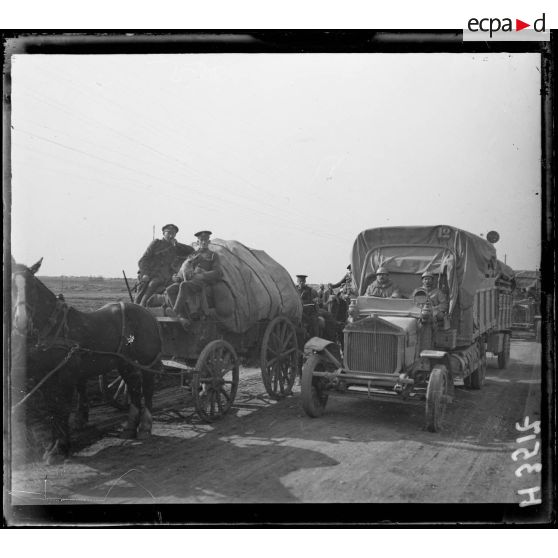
[(308, 297), (438, 299), (384, 290), (201, 269), (157, 265)]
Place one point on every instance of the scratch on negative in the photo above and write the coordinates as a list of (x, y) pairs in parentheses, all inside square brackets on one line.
[(121, 477)]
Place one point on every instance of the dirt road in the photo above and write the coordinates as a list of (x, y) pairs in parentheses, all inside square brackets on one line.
[(265, 451)]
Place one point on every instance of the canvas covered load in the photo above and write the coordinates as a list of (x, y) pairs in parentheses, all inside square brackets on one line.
[(462, 263), (254, 287), (464, 259)]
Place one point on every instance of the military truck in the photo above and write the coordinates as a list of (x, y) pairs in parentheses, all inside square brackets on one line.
[(397, 347), (526, 311)]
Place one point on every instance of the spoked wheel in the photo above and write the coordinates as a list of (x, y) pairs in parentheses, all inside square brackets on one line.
[(279, 357), (478, 376), (114, 390), (313, 393), (436, 398), (504, 356), (215, 381)]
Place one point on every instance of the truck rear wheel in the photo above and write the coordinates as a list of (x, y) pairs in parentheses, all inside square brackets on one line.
[(436, 398), (313, 395), (504, 356), (478, 376)]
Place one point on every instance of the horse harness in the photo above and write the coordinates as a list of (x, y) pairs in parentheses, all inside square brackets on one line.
[(60, 340)]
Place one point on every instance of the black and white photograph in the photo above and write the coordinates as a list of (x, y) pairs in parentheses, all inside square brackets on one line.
[(270, 268)]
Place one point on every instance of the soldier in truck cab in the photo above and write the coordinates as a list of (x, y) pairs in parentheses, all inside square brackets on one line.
[(438, 299), (383, 286)]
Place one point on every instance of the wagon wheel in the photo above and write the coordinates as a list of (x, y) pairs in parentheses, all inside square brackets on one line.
[(436, 398), (215, 381), (504, 356), (114, 390), (313, 394), (279, 360)]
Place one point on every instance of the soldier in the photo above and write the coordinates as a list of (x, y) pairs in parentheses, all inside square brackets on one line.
[(382, 287), (438, 299), (322, 296), (309, 298), (347, 278), (156, 265), (200, 269)]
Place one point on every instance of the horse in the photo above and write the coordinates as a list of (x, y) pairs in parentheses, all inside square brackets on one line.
[(64, 347)]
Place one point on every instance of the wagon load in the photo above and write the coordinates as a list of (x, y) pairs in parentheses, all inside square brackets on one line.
[(254, 287)]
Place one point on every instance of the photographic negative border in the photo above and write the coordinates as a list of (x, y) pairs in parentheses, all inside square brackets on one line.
[(323, 41)]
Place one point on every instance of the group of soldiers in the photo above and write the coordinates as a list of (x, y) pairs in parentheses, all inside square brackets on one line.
[(382, 287), (179, 272)]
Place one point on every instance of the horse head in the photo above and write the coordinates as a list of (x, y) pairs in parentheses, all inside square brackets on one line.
[(32, 301)]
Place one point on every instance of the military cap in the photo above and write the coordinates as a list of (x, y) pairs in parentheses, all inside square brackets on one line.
[(203, 233), (427, 274), (301, 276), (383, 270), (170, 226)]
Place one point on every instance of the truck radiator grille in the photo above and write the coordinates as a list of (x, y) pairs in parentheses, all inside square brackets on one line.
[(372, 352)]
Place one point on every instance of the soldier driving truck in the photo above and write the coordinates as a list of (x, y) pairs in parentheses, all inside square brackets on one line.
[(413, 343)]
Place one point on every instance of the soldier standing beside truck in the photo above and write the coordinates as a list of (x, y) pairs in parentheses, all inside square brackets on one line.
[(309, 298)]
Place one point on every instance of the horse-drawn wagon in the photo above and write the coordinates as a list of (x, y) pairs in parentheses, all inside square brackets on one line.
[(254, 313), (397, 347)]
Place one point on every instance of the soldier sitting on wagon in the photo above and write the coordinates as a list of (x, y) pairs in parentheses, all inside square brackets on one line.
[(383, 286), (156, 264), (199, 270)]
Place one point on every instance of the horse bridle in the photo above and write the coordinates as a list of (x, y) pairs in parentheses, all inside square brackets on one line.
[(61, 308)]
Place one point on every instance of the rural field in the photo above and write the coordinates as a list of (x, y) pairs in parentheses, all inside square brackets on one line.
[(266, 451), (89, 293)]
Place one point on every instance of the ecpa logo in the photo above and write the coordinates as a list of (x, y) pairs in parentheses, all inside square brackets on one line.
[(498, 29)]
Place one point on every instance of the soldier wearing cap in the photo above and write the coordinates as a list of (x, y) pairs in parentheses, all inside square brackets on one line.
[(309, 298), (157, 265), (200, 269), (438, 299), (382, 286)]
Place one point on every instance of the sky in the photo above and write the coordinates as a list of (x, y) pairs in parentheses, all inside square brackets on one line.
[(293, 154)]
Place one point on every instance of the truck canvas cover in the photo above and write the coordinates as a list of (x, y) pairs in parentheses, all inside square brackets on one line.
[(254, 287), (465, 259)]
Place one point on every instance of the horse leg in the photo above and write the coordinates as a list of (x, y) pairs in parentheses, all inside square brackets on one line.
[(133, 381), (146, 419), (59, 404), (82, 410)]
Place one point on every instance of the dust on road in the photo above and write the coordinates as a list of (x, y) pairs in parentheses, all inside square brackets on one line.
[(266, 451)]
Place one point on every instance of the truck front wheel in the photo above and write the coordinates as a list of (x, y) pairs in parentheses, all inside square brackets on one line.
[(313, 394), (436, 398)]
